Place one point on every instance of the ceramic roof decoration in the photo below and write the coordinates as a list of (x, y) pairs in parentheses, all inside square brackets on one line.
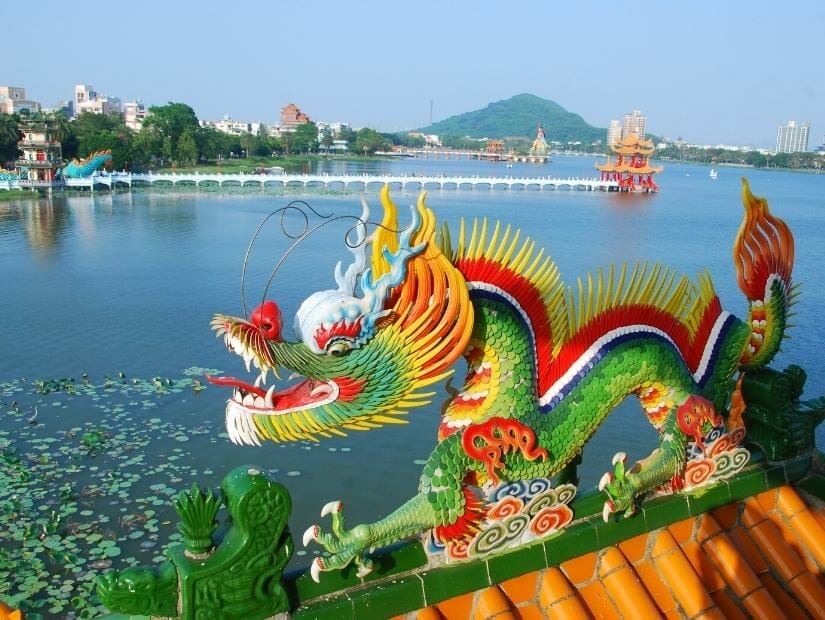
[(497, 523)]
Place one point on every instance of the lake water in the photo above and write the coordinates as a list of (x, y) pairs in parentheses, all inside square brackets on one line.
[(121, 288)]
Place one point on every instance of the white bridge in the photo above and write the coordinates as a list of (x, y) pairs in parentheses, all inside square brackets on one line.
[(332, 181)]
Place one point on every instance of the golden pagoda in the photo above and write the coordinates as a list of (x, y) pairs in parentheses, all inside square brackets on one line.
[(631, 168)]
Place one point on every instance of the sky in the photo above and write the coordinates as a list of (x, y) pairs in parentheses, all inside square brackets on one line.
[(709, 72)]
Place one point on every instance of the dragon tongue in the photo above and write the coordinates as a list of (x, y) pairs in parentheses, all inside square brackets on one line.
[(237, 383)]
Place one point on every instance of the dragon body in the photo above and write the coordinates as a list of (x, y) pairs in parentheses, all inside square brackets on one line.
[(546, 364), (79, 168)]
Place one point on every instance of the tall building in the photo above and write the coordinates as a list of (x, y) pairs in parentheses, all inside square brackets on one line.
[(614, 133), (13, 99), (634, 123), (792, 138)]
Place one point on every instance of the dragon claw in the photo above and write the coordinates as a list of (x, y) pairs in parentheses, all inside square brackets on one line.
[(607, 509), (311, 533), (332, 508), (620, 487), (315, 569), (341, 546)]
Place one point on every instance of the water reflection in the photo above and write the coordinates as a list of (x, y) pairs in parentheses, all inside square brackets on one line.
[(46, 222)]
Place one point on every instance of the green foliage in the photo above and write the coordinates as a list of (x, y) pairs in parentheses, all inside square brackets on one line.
[(461, 142), (519, 116), (197, 510), (187, 153), (305, 138), (9, 136), (367, 141), (794, 161), (172, 120), (408, 140)]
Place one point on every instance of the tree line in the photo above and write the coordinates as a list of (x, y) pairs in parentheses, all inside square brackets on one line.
[(171, 135), (794, 161)]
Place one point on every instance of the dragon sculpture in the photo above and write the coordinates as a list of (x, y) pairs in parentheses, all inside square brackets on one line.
[(546, 365), (79, 168), (75, 169)]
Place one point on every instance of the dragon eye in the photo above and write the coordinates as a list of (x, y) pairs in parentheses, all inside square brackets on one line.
[(338, 348)]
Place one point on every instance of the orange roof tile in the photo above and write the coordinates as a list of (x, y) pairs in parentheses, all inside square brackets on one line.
[(738, 561)]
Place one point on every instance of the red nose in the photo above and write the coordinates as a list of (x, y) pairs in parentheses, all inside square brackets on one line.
[(267, 318)]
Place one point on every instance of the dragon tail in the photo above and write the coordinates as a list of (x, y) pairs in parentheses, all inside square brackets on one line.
[(763, 254)]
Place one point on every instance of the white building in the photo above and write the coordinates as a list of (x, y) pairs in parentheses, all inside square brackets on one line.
[(13, 99), (614, 133), (792, 138), (134, 112), (86, 99), (634, 122), (232, 127)]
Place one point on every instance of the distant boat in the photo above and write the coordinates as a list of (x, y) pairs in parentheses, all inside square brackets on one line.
[(713, 174), (509, 164)]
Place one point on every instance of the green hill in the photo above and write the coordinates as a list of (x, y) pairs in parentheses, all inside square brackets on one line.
[(519, 116)]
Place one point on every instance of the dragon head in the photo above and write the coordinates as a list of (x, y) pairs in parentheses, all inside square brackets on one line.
[(361, 360)]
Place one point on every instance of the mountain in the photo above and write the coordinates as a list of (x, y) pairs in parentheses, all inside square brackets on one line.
[(519, 116)]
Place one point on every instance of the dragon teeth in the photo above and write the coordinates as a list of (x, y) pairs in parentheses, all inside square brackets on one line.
[(236, 396), (247, 360), (259, 402), (269, 400), (258, 381), (248, 401), (321, 389)]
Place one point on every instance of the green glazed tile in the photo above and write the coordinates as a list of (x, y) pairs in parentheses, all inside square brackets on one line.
[(392, 597), (302, 588), (663, 511), (579, 538), (517, 562), (619, 529), (399, 559), (588, 503), (747, 483), (775, 476), (449, 581), (711, 497), (337, 608)]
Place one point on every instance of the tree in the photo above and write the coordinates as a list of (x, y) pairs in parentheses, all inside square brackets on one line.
[(305, 138), (60, 126), (145, 148), (368, 141), (187, 152), (327, 141), (9, 137), (172, 120), (167, 148)]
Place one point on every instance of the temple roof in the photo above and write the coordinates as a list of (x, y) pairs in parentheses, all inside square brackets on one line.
[(631, 144), (610, 166), (762, 557)]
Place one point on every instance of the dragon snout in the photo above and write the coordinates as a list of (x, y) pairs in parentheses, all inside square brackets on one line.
[(267, 318)]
